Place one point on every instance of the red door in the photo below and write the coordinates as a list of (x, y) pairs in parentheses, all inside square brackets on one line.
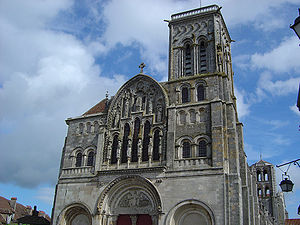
[(144, 219), (124, 220)]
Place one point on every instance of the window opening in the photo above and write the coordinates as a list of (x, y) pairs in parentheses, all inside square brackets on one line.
[(186, 149), (200, 93), (202, 148), (134, 150), (203, 66), (114, 150), (78, 159), (188, 60), (185, 95), (146, 141), (156, 144), (125, 143), (90, 161)]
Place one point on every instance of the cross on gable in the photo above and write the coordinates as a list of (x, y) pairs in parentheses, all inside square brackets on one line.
[(142, 66)]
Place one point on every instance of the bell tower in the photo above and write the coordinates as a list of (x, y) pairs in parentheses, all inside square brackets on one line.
[(199, 43)]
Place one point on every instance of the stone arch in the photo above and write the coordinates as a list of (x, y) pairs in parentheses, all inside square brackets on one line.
[(190, 211), (130, 195), (74, 213)]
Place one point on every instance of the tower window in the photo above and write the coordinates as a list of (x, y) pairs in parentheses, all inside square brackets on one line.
[(202, 148), (203, 64), (90, 161), (156, 144), (146, 141), (114, 150), (267, 192), (134, 151), (188, 61), (186, 149), (266, 176), (125, 143), (200, 93), (78, 159), (259, 192), (185, 95)]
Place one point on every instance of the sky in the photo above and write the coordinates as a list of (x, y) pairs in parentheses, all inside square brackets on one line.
[(59, 57)]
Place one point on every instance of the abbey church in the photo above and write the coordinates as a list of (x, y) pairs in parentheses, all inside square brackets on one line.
[(168, 153)]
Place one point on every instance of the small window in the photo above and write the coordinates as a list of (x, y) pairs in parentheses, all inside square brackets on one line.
[(267, 192), (90, 161), (188, 61), (203, 63), (186, 149), (125, 143), (259, 192), (114, 150), (182, 117), (266, 176), (192, 116), (202, 149), (78, 159), (200, 93), (156, 144), (258, 174), (185, 95), (146, 141)]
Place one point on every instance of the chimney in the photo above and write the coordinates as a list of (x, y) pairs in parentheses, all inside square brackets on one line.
[(28, 210), (13, 203)]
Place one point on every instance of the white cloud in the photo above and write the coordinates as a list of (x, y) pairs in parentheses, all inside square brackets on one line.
[(243, 108), (282, 59), (295, 109)]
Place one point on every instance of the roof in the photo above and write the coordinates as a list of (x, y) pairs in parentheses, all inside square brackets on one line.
[(98, 108), (5, 207), (262, 163), (292, 222)]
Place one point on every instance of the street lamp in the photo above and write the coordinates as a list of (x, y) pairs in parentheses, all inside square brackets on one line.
[(296, 25), (286, 185)]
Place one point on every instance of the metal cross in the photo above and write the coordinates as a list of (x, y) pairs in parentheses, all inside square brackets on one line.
[(142, 67)]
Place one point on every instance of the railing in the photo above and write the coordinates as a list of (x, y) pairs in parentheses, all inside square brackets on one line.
[(196, 162), (77, 171), (195, 11)]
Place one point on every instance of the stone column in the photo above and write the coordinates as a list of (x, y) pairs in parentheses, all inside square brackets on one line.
[(109, 148), (100, 148), (119, 153), (129, 152), (150, 149), (133, 219)]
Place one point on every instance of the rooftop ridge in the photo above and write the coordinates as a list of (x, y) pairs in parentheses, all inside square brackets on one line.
[(192, 12)]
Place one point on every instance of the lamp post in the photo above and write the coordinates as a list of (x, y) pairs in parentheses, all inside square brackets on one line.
[(296, 25), (286, 184)]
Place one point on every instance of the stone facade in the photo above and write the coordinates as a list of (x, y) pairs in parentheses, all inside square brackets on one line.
[(167, 153)]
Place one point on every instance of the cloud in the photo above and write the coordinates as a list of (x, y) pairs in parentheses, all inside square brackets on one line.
[(47, 76), (243, 107), (295, 109), (282, 59)]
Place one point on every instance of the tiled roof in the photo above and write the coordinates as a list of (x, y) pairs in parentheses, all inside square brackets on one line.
[(5, 207), (98, 108), (292, 222)]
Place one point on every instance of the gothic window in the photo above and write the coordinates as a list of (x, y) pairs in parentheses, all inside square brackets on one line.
[(146, 141), (202, 148), (78, 159), (125, 143), (156, 143), (203, 58), (192, 116), (266, 177), (185, 95), (134, 150), (188, 60), (200, 93), (114, 150), (90, 161), (186, 149)]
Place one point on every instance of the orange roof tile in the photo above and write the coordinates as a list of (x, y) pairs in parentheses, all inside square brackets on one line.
[(292, 222), (98, 108)]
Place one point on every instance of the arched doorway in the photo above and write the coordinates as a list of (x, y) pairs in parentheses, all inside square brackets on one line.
[(76, 214), (130, 200)]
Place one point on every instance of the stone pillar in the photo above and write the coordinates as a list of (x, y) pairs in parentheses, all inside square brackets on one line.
[(129, 152), (100, 147), (133, 219), (150, 149), (109, 149)]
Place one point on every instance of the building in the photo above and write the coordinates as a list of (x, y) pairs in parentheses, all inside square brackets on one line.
[(11, 211), (170, 152)]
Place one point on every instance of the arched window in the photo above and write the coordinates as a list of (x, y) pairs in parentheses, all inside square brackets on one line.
[(258, 174), (188, 60), (182, 118), (125, 143), (186, 149), (192, 116), (259, 192), (78, 159), (202, 148), (200, 93), (156, 143), (146, 141), (114, 150), (266, 176), (185, 95), (203, 58), (90, 161), (267, 192), (134, 150)]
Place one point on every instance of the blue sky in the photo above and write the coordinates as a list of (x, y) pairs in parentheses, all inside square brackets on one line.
[(59, 57)]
